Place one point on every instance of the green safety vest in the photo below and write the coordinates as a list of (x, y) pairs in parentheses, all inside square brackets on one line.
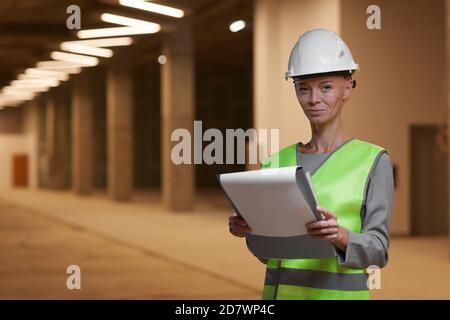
[(340, 184)]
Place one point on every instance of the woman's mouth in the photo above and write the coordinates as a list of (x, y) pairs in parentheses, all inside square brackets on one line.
[(316, 111)]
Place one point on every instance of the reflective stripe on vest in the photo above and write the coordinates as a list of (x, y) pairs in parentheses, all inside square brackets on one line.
[(340, 185)]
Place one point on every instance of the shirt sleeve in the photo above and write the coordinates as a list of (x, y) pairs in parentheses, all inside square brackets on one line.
[(370, 247)]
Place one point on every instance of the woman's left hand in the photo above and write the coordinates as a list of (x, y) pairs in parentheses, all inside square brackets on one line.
[(328, 229)]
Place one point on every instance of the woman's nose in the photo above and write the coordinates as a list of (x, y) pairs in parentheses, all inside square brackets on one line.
[(314, 97)]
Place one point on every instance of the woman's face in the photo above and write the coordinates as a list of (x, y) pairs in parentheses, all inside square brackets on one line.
[(322, 97)]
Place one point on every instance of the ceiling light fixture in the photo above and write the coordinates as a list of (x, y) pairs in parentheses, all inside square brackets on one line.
[(52, 64), (153, 7), (11, 89), (119, 31), (75, 58), (39, 73), (106, 42), (237, 25), (35, 82), (83, 49), (125, 21)]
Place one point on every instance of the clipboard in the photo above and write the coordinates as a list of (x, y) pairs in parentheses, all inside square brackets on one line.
[(277, 203)]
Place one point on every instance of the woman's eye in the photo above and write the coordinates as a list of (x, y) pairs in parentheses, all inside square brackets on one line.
[(304, 90)]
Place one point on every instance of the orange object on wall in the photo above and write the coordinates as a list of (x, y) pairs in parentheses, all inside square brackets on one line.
[(20, 170)]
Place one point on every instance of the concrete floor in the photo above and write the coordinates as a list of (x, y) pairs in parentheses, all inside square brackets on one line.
[(138, 251)]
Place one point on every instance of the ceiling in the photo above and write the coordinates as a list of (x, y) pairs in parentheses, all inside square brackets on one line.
[(31, 29)]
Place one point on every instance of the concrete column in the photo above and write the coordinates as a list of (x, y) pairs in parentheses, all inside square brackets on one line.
[(32, 133), (58, 137), (42, 156), (119, 104), (177, 98), (82, 132), (447, 101), (277, 26)]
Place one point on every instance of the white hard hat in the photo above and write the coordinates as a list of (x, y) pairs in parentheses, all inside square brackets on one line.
[(319, 51)]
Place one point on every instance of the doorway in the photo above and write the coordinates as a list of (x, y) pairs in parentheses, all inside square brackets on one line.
[(20, 170), (429, 184)]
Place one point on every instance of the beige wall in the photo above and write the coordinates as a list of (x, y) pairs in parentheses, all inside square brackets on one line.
[(11, 120), (400, 81)]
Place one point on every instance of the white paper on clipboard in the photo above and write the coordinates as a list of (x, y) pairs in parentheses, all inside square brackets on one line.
[(274, 202)]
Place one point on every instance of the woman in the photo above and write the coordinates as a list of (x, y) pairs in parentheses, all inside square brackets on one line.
[(353, 180)]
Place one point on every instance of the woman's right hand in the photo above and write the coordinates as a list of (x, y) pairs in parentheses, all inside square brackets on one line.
[(238, 226)]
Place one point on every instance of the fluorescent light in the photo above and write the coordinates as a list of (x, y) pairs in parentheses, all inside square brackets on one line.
[(15, 89), (237, 26), (118, 31), (65, 67), (153, 7), (25, 90), (93, 51), (125, 21), (73, 70), (107, 42), (20, 84), (75, 58), (36, 82), (52, 64), (18, 96), (29, 77), (39, 73), (10, 102), (24, 77), (14, 97)]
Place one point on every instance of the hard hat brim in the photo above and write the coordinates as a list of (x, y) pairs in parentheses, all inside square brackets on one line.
[(323, 74)]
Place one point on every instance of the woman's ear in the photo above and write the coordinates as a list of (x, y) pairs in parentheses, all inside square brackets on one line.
[(348, 88)]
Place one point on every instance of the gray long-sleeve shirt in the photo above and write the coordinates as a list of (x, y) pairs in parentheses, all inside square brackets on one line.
[(370, 247)]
